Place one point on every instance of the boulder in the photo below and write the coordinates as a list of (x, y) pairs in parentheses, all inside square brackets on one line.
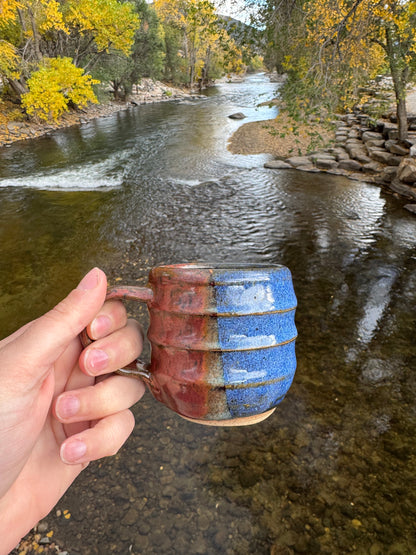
[(297, 161), (375, 143), (395, 148), (325, 163), (340, 154), (403, 189), (359, 154), (381, 156), (372, 167), (237, 115), (411, 208), (350, 165), (371, 136), (388, 174), (390, 131), (406, 171), (277, 165)]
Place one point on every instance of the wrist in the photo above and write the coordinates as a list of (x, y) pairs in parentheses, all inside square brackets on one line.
[(17, 518)]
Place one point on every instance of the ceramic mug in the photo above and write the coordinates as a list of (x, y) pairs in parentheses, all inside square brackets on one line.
[(222, 339)]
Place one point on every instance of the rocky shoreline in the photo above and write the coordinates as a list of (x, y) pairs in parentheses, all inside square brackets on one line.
[(146, 92), (365, 151)]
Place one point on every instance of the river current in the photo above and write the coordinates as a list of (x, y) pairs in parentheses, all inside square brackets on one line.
[(333, 469)]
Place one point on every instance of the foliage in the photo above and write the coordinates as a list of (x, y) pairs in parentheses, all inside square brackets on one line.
[(33, 32), (196, 41), (55, 85), (330, 47)]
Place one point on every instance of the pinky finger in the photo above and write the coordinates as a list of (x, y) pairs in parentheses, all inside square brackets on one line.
[(102, 440)]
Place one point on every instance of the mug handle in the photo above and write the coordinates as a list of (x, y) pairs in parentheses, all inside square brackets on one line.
[(137, 369)]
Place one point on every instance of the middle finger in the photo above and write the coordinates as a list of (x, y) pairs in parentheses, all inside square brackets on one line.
[(110, 353)]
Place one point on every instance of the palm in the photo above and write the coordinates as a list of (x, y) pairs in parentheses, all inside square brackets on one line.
[(42, 476)]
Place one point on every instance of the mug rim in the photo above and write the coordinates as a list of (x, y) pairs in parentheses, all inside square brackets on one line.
[(224, 266)]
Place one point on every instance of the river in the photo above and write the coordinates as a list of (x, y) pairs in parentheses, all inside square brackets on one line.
[(332, 470)]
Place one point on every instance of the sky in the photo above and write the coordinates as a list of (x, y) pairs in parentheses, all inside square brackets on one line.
[(233, 8)]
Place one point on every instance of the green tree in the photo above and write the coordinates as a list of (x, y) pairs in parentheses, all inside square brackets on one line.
[(329, 47), (194, 38)]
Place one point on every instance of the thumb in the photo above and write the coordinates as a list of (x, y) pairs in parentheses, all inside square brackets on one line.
[(40, 344)]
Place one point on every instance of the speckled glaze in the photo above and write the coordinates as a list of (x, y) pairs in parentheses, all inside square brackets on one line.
[(223, 339)]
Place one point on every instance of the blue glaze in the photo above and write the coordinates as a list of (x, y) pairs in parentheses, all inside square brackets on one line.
[(256, 332), (242, 292), (258, 380)]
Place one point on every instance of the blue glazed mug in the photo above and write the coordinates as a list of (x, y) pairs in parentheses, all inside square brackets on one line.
[(222, 338)]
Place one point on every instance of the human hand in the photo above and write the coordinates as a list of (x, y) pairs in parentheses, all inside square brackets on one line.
[(55, 415)]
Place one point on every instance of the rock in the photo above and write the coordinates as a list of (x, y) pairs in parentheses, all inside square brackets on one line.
[(277, 165), (407, 170), (297, 161), (390, 131), (237, 115), (42, 527), (403, 189), (371, 136), (394, 160), (131, 517), (339, 153), (396, 148), (350, 165), (388, 174), (412, 151), (411, 208), (379, 143), (359, 154), (384, 156), (372, 167), (325, 163)]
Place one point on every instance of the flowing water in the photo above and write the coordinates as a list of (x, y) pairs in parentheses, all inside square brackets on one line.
[(333, 469)]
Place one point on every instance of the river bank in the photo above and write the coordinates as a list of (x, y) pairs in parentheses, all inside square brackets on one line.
[(14, 126), (354, 146)]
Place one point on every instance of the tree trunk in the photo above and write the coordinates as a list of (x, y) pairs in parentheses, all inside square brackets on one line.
[(18, 87), (400, 77), (402, 117)]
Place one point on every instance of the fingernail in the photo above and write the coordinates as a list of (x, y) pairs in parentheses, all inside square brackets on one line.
[(90, 281), (73, 450), (96, 360), (67, 406), (100, 327)]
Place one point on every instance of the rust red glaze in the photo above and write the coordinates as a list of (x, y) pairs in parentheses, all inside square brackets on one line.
[(173, 292), (187, 331), (181, 331), (184, 380), (130, 293)]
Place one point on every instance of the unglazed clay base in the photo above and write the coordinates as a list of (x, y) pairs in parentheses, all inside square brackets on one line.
[(242, 421)]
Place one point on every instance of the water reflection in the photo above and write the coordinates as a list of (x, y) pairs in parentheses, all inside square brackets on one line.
[(332, 470)]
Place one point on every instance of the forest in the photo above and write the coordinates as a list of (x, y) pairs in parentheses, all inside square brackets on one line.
[(57, 54)]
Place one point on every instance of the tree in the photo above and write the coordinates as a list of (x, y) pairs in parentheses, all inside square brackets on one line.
[(33, 32), (330, 47), (195, 38), (55, 85)]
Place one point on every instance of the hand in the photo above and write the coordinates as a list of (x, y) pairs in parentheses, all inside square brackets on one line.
[(55, 415)]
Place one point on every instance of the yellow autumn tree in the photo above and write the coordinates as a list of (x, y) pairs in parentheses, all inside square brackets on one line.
[(33, 33), (336, 45), (54, 86), (202, 40)]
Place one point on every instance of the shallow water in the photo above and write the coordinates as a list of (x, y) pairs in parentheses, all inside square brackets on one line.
[(332, 471)]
